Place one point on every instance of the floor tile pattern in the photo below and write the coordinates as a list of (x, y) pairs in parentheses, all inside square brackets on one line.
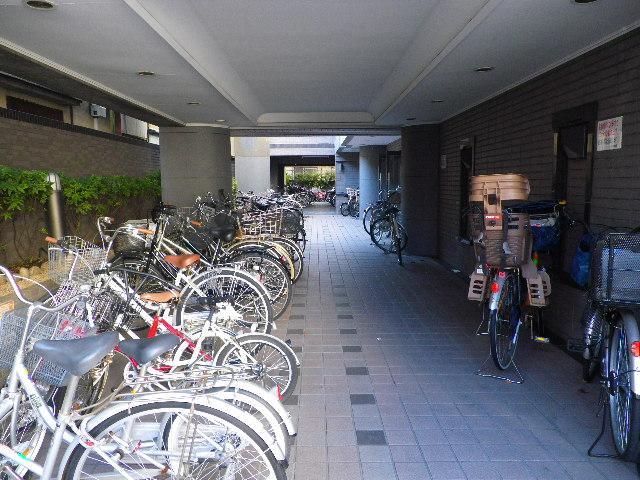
[(387, 390)]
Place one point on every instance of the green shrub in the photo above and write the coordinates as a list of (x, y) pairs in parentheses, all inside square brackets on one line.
[(20, 189), (322, 180)]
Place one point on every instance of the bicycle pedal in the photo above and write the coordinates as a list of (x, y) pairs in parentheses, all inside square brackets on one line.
[(539, 339), (575, 345)]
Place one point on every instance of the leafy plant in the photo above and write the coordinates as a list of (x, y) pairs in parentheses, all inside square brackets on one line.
[(322, 180), (20, 190)]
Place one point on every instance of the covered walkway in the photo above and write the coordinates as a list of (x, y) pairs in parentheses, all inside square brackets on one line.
[(387, 388)]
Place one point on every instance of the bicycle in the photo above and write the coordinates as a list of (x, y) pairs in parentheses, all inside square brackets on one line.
[(373, 210), (388, 234), (352, 206), (611, 339), (133, 435)]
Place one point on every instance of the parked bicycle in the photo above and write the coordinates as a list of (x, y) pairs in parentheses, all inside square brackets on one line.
[(373, 210), (612, 337), (352, 206), (387, 233)]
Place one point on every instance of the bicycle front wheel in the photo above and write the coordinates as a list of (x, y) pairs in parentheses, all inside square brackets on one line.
[(504, 323), (174, 440), (344, 209)]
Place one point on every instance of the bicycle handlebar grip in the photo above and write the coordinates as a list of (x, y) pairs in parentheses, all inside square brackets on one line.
[(195, 223), (145, 231), (51, 240)]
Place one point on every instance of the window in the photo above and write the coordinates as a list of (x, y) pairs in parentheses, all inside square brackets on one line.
[(32, 108)]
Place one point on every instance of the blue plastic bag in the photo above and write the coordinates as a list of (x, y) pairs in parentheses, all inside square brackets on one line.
[(582, 261)]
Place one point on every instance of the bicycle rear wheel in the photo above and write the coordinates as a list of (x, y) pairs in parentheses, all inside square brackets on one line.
[(624, 407), (175, 440), (344, 209), (504, 323), (382, 235)]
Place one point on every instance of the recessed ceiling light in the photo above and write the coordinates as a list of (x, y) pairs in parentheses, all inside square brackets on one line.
[(146, 73), (410, 118), (584, 1), (437, 100), (193, 103), (40, 4), (483, 69), (220, 120)]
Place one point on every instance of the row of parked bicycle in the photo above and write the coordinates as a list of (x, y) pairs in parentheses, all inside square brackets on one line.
[(381, 220), (511, 236), (201, 390)]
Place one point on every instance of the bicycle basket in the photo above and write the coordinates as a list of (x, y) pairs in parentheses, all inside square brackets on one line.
[(291, 222), (615, 270), (44, 326), (125, 242), (74, 259)]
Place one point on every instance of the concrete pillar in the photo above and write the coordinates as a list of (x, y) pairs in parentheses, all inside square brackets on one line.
[(346, 175), (419, 168), (369, 170), (253, 163), (193, 161)]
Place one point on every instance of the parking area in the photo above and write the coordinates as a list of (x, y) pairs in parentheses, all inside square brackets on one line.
[(387, 387)]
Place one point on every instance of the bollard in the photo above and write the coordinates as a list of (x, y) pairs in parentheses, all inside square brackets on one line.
[(56, 215)]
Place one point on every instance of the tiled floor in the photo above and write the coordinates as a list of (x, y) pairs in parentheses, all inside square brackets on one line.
[(387, 389)]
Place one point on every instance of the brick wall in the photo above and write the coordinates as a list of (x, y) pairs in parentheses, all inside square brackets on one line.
[(513, 133), (29, 143)]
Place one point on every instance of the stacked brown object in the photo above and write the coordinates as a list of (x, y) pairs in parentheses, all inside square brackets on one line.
[(500, 239)]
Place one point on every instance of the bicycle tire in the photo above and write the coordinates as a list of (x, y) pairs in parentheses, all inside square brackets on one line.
[(259, 341), (381, 234), (255, 308), (624, 412), (168, 412), (503, 332), (366, 218), (273, 276), (344, 209)]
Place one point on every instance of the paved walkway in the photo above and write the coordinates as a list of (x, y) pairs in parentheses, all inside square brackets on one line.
[(387, 389)]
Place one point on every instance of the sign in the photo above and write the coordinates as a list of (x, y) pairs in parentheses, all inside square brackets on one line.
[(610, 134)]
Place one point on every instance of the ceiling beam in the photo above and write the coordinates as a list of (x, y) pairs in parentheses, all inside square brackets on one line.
[(424, 54), (186, 34)]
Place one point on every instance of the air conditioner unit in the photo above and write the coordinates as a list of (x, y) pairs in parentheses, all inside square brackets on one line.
[(97, 111)]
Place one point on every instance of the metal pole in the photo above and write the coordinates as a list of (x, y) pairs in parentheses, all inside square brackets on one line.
[(56, 214)]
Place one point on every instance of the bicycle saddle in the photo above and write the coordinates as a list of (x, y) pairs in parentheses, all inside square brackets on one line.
[(160, 297), (77, 356), (222, 232), (144, 350), (182, 261)]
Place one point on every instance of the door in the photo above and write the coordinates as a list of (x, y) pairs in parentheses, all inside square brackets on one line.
[(573, 136)]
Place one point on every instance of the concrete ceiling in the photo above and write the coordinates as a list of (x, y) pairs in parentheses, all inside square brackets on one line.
[(302, 64)]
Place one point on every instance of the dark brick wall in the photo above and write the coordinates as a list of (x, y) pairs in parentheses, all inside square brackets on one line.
[(513, 133), (75, 152)]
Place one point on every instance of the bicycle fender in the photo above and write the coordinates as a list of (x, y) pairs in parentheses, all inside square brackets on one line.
[(204, 400), (496, 291), (633, 334)]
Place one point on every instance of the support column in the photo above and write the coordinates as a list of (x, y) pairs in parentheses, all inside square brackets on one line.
[(419, 168), (347, 175), (253, 163), (194, 161), (369, 169)]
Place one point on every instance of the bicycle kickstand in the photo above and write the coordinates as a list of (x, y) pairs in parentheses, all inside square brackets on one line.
[(518, 380)]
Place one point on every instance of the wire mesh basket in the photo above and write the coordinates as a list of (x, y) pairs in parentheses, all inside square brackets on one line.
[(75, 259), (615, 270), (262, 223), (292, 222), (128, 242), (44, 326)]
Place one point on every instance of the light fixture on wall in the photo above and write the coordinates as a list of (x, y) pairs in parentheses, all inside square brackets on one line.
[(341, 167), (486, 68), (40, 4), (146, 73)]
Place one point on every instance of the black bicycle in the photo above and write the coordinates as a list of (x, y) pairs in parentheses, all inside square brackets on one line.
[(388, 234)]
